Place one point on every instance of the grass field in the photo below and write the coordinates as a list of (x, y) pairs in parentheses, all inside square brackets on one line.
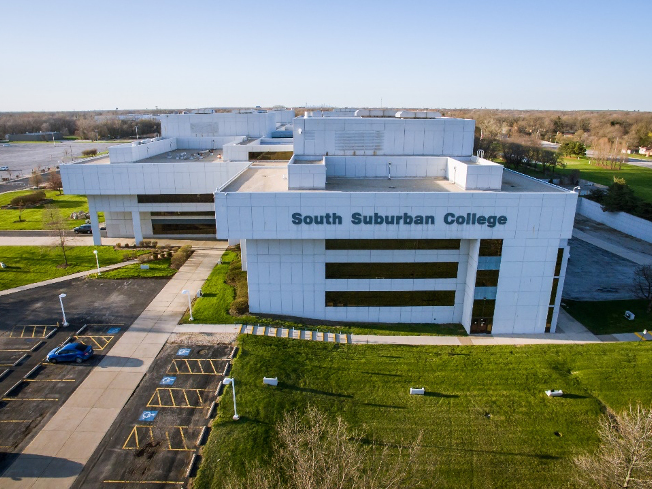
[(637, 177), (213, 308), (157, 269), (33, 218), (608, 317), (31, 264), (514, 447)]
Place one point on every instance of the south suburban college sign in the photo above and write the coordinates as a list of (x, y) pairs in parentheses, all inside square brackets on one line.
[(375, 219)]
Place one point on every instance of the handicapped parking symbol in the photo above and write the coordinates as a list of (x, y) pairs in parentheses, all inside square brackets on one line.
[(148, 416), (168, 381), (183, 352), (113, 331)]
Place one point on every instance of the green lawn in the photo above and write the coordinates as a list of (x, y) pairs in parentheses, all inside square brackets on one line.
[(157, 269), (608, 317), (514, 447), (33, 218), (637, 177), (31, 264), (213, 308)]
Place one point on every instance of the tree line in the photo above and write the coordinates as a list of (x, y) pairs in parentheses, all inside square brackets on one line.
[(84, 125)]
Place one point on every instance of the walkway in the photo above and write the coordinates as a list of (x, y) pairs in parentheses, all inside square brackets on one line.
[(74, 432), (66, 277), (40, 238)]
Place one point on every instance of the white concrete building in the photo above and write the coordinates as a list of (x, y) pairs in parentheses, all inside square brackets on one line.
[(394, 220), (164, 187)]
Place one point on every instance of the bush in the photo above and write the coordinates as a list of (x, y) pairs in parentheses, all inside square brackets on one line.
[(239, 307), (118, 245), (144, 258), (180, 256), (33, 198), (154, 244), (90, 152)]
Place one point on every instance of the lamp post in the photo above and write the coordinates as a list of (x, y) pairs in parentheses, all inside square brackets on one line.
[(61, 296), (98, 262), (231, 381), (187, 292)]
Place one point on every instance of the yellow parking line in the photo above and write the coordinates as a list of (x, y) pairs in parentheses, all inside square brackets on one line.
[(143, 482), (641, 337), (183, 438), (15, 421), (14, 350), (28, 399), (49, 380)]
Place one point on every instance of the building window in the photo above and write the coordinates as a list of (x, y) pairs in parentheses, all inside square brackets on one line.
[(560, 257), (191, 213), (176, 199), (551, 312), (553, 292), (392, 244), (185, 227), (482, 317), (270, 155), (486, 278), (491, 247), (352, 271), (417, 298)]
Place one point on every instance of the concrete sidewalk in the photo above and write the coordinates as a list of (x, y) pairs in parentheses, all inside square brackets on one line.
[(631, 255), (66, 277), (60, 450)]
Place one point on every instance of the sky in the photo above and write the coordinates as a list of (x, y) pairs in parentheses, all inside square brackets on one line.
[(143, 54)]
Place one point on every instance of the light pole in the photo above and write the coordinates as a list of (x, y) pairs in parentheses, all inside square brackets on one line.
[(187, 292), (98, 262), (61, 296), (231, 381)]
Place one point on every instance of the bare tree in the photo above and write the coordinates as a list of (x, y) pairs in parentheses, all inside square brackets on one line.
[(54, 221), (54, 181), (21, 208), (624, 458), (643, 284), (35, 180), (314, 452)]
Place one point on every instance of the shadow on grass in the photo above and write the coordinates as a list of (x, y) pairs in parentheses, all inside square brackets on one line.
[(381, 373), (283, 385), (390, 406), (574, 396), (440, 394), (540, 456)]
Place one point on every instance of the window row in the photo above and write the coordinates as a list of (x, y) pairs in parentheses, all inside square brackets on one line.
[(392, 244), (417, 298), (353, 271)]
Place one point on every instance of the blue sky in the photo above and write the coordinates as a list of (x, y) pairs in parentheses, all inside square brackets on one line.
[(137, 54)]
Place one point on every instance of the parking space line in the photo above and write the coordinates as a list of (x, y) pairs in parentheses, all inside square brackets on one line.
[(15, 420), (49, 380), (14, 350), (196, 401), (101, 341), (143, 482), (30, 331), (134, 441), (28, 399), (195, 366)]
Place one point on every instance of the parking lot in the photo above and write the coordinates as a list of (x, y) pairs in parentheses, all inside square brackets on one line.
[(31, 389), (163, 425)]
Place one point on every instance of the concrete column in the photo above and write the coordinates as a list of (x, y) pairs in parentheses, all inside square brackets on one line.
[(243, 254), (469, 289), (95, 222), (138, 232)]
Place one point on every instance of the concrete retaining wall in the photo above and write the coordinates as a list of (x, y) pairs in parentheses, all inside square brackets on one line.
[(620, 221)]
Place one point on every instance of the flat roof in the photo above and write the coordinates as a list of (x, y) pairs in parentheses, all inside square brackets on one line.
[(191, 155), (274, 179)]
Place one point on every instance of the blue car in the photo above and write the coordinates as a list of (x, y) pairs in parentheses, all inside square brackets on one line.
[(72, 352)]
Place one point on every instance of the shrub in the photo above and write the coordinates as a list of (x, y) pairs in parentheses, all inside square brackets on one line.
[(154, 244), (239, 307), (144, 258), (180, 256), (89, 152), (118, 245), (32, 198)]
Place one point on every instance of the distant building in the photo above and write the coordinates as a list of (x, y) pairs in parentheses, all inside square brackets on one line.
[(645, 151), (35, 136)]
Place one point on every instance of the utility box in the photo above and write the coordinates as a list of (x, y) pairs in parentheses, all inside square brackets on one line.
[(417, 391), (554, 393), (270, 380), (629, 315)]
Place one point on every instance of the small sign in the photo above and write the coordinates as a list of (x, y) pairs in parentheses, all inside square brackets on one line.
[(168, 380), (148, 416), (144, 267), (183, 352), (113, 331)]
